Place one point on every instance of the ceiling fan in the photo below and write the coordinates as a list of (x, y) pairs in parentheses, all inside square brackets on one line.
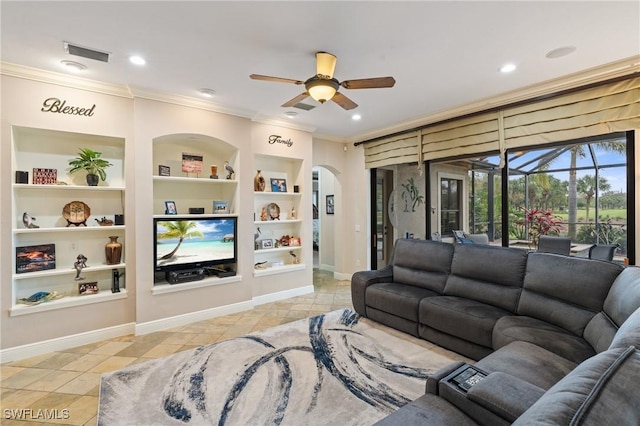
[(324, 87)]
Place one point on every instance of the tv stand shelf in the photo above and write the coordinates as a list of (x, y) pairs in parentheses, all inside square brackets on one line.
[(163, 287)]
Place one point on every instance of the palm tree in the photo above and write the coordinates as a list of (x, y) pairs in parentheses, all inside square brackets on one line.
[(586, 185), (579, 151), (180, 229)]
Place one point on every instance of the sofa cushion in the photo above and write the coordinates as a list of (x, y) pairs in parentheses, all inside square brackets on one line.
[(422, 263), (548, 336), (629, 332), (602, 390), (624, 296), (427, 410), (528, 362), (463, 318), (492, 275), (398, 299), (565, 291)]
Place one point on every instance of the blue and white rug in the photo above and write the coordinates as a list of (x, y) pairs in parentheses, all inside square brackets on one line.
[(332, 369)]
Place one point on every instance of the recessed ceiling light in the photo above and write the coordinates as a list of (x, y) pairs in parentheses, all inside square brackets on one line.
[(73, 66), (506, 68), (291, 114), (209, 93), (356, 117), (560, 52), (137, 60)]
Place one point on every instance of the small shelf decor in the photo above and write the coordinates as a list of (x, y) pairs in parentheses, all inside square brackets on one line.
[(90, 161)]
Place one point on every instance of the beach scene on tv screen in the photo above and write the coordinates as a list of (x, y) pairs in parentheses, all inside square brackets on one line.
[(193, 241)]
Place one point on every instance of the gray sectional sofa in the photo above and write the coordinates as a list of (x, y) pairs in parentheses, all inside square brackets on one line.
[(556, 339)]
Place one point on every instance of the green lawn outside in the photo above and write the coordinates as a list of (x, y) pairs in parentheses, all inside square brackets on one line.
[(616, 215)]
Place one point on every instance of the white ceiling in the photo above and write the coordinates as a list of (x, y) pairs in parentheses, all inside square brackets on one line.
[(442, 54)]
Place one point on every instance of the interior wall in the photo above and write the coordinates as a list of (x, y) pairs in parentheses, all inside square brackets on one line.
[(328, 185)]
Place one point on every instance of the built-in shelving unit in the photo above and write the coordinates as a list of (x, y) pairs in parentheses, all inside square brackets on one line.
[(277, 214), (52, 149), (193, 190)]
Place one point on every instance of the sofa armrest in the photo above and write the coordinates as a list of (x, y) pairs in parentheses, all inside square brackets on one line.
[(361, 280), (434, 379), (505, 395)]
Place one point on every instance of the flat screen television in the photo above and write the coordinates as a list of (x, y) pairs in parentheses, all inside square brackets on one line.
[(194, 242)]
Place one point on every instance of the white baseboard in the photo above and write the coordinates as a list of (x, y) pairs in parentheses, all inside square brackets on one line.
[(191, 317), (280, 295), (342, 276), (65, 342)]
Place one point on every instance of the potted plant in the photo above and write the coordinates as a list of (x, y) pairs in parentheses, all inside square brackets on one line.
[(90, 161)]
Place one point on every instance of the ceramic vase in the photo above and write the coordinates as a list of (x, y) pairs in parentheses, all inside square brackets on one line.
[(113, 251), (258, 182)]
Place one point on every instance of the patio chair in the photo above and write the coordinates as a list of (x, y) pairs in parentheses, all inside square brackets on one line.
[(603, 251), (557, 245)]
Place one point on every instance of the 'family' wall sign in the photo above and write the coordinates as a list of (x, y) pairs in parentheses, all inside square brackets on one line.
[(278, 139), (55, 105)]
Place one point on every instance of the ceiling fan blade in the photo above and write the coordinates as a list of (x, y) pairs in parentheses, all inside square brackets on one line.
[(296, 100), (343, 101), (326, 64), (369, 83), (275, 79)]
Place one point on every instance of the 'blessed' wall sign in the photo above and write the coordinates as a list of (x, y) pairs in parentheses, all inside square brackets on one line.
[(55, 105), (278, 139)]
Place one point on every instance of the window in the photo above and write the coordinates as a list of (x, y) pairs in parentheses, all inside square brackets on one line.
[(450, 205)]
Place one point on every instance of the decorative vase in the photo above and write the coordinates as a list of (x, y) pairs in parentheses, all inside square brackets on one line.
[(113, 251), (258, 182), (92, 179)]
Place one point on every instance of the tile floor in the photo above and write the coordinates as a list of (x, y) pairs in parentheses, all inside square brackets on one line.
[(65, 384)]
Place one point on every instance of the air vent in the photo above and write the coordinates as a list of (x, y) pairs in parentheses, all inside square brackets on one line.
[(305, 107), (86, 53)]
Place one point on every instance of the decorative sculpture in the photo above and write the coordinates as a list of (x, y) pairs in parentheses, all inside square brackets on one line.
[(79, 264), (229, 169), (27, 219)]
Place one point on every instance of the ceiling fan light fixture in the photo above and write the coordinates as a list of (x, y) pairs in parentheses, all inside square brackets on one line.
[(322, 90)]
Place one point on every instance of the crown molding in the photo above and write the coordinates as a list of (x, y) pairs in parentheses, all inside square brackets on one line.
[(144, 93), (612, 70), (65, 80), (289, 124)]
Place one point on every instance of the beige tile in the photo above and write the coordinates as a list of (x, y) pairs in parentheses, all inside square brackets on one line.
[(162, 350), (81, 385), (7, 370), (205, 339), (14, 399), (112, 364), (30, 362), (23, 378), (136, 350), (92, 422), (58, 360), (179, 338), (301, 307), (85, 349), (53, 381), (85, 362), (111, 348), (82, 410)]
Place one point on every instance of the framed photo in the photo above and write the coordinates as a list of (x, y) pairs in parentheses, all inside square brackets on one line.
[(164, 170), (294, 242), (278, 185), (35, 258), (88, 288), (266, 244), (330, 205), (191, 163), (220, 207), (170, 207), (45, 176)]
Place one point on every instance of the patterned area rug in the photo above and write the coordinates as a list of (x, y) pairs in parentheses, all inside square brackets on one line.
[(331, 369)]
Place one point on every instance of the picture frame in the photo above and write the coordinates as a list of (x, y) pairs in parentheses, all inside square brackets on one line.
[(192, 163), (45, 176), (220, 207), (278, 185), (164, 170), (35, 258), (330, 204), (266, 244), (170, 207), (294, 242), (88, 288)]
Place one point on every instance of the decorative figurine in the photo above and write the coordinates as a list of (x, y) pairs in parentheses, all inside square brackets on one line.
[(295, 259), (104, 221), (293, 212), (229, 169), (259, 183), (27, 219), (263, 214), (79, 264)]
